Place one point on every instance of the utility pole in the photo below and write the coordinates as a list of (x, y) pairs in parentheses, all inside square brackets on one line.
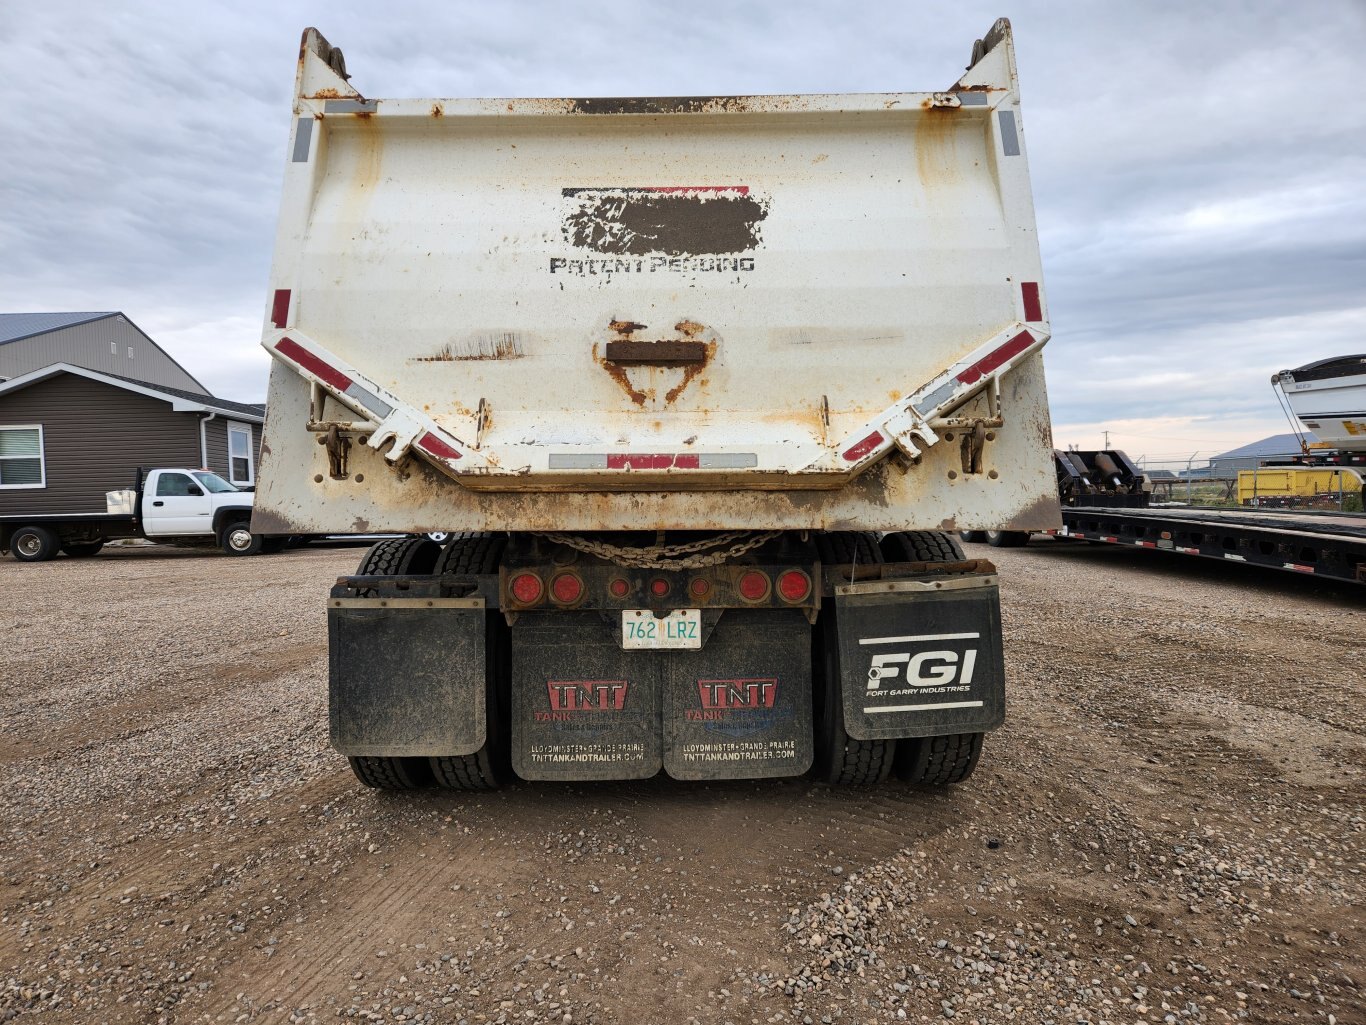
[(1107, 439)]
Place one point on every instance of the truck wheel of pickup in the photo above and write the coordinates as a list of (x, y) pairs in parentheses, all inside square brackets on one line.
[(491, 766), (973, 537), (83, 551), (237, 539), (392, 773), (921, 546), (34, 544), (1007, 538), (938, 761), (840, 759)]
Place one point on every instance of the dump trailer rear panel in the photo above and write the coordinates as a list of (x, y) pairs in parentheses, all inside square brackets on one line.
[(615, 314), (697, 385)]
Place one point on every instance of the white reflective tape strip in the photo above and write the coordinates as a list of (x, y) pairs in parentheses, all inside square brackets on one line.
[(350, 106), (919, 637), (369, 400), (303, 137), (939, 396), (578, 460), (875, 709), (1010, 139), (727, 460), (1235, 558)]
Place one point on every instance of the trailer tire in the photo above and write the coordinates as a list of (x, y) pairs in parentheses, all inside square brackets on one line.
[(939, 761), (83, 551), (392, 773), (842, 760), (1007, 538), (490, 767), (399, 556), (921, 546), (34, 544), (973, 537), (236, 538)]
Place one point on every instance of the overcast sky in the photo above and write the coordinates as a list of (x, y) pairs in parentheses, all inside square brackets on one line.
[(1198, 167)]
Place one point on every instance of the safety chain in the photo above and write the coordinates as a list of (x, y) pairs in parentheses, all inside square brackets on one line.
[(664, 556)]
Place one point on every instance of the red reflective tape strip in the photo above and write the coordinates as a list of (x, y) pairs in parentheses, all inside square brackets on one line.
[(1189, 551), (311, 363), (1033, 309), (279, 308), (688, 462), (859, 449), (1106, 537), (992, 360), (640, 461), (1145, 544), (1299, 568), (435, 446)]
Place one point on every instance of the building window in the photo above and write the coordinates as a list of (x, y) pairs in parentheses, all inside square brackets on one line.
[(130, 352), (113, 348), (21, 457), (240, 468)]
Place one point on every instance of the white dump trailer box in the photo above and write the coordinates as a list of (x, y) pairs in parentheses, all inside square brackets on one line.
[(795, 312), (694, 389)]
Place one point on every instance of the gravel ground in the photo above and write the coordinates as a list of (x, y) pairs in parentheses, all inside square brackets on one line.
[(1168, 829)]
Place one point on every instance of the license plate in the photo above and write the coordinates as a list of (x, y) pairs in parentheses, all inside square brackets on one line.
[(681, 628)]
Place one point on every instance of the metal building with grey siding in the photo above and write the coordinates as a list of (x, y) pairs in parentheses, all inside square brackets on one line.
[(107, 342), (1280, 447)]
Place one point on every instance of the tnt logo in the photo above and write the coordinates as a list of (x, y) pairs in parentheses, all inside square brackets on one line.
[(923, 669), (719, 694), (587, 695)]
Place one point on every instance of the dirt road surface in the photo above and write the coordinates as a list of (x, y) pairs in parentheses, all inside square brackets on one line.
[(1168, 829)]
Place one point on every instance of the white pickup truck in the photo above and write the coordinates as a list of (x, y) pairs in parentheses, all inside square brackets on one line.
[(169, 506)]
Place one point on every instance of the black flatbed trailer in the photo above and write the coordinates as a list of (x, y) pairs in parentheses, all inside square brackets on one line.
[(1324, 544)]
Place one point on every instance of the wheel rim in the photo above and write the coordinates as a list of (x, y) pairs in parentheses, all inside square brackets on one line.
[(239, 539), (29, 544)]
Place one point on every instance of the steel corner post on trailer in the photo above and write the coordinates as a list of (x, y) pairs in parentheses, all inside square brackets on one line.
[(696, 420)]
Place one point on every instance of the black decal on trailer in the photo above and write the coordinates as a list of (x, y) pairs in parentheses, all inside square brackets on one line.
[(672, 221), (582, 708), (921, 663), (741, 707)]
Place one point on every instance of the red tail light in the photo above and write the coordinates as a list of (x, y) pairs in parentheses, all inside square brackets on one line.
[(566, 589), (699, 588), (618, 588), (794, 585), (659, 587), (753, 586), (526, 588)]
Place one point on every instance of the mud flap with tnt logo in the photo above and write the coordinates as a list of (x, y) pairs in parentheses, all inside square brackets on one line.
[(738, 708), (921, 658)]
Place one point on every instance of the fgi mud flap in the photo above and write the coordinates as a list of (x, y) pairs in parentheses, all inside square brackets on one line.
[(740, 708), (921, 658), (582, 708), (406, 675)]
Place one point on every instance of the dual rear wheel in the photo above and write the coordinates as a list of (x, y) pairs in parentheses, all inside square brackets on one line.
[(840, 758), (843, 760), (491, 766)]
